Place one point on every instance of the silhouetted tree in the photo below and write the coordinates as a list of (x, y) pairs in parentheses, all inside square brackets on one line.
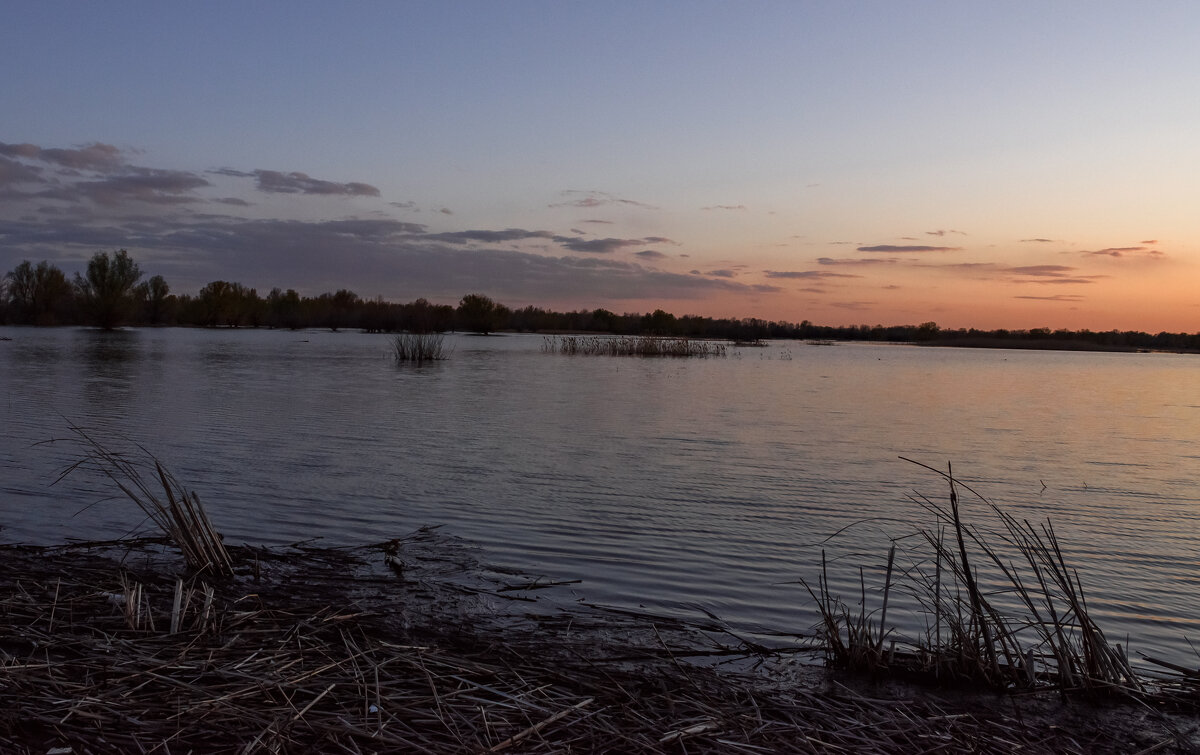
[(38, 295), (477, 313), (283, 309), (106, 291), (220, 303), (154, 296)]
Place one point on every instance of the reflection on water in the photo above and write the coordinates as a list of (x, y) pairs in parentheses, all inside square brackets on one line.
[(111, 360), (668, 483)]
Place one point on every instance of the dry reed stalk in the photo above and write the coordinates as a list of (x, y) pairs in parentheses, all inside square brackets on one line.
[(176, 511), (1057, 640), (645, 346), (419, 347)]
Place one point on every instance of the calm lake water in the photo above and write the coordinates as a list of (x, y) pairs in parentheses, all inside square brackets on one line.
[(680, 485)]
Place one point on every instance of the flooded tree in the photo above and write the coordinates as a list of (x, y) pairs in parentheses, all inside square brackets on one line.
[(38, 294), (106, 291), (478, 313), (152, 295)]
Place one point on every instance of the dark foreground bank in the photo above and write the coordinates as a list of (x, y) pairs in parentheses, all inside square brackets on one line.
[(412, 646)]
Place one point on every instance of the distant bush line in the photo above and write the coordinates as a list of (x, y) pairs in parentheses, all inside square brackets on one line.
[(111, 293)]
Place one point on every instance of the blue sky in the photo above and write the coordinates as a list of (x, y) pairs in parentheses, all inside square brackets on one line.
[(990, 165)]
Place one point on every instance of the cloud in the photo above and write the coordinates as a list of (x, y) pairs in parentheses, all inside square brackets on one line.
[(606, 246), (13, 172), (905, 249), (62, 205), (446, 211), (1038, 241), (1047, 270), (1149, 241), (490, 237), (1119, 252), (275, 182), (1057, 297), (853, 305), (725, 207), (722, 273), (94, 157), (1035, 274), (589, 199), (374, 256), (96, 173), (860, 261), (148, 185), (940, 232), (806, 274)]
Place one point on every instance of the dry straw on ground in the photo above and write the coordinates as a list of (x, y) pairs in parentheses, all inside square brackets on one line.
[(112, 648)]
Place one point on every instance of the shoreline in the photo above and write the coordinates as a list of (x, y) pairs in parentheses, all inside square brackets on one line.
[(413, 645)]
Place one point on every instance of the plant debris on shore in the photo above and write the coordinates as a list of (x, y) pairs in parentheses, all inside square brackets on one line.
[(408, 646), (411, 645)]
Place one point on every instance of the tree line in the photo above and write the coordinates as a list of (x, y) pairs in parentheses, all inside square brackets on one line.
[(111, 292)]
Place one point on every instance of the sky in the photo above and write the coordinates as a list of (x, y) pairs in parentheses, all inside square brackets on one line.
[(989, 165)]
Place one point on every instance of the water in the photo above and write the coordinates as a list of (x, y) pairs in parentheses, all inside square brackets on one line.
[(680, 485)]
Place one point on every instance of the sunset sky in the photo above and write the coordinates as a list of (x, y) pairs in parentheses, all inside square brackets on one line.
[(977, 164)]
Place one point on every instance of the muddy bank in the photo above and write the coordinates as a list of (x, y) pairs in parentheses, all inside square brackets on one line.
[(414, 646)]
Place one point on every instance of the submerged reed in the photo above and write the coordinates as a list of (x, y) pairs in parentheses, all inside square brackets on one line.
[(642, 346), (419, 347)]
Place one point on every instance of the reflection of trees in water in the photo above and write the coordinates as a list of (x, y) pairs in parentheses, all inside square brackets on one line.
[(110, 360)]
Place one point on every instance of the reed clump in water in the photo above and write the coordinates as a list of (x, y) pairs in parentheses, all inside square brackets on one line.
[(1055, 642), (641, 346), (174, 510), (419, 347)]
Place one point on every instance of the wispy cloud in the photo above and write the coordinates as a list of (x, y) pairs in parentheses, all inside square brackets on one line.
[(740, 207), (1056, 297), (857, 262), (590, 199), (650, 254), (941, 232), (902, 249), (608, 245), (1038, 241), (295, 182), (853, 305), (1119, 252), (95, 157), (806, 274)]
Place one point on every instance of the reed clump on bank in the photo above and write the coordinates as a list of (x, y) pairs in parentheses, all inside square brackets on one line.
[(174, 510), (112, 647), (641, 346), (1050, 641), (419, 347)]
